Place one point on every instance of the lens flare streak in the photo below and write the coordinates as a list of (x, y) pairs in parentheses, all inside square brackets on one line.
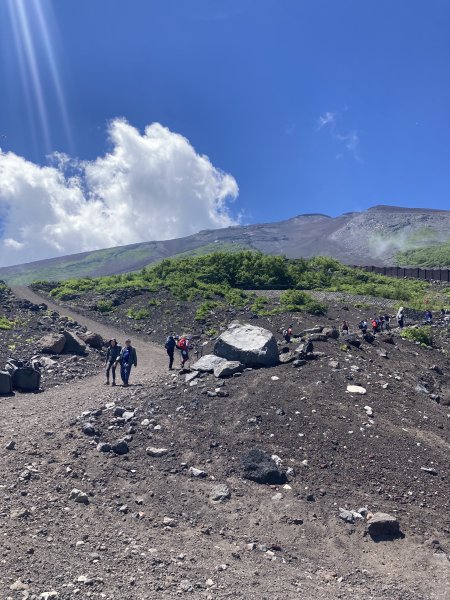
[(36, 59)]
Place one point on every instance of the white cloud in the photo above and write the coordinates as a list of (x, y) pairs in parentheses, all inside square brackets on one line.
[(326, 119), (350, 139), (151, 186)]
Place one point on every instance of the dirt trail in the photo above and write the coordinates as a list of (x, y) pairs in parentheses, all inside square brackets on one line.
[(45, 410)]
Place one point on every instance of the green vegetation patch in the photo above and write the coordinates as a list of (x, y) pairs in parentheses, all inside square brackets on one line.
[(230, 275), (138, 313), (205, 309), (6, 324), (423, 335), (295, 301), (104, 306), (437, 257)]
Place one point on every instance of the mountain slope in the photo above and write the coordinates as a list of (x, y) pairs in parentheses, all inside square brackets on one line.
[(373, 237)]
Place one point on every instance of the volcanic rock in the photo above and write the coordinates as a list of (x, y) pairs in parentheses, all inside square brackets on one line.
[(251, 345), (207, 363), (52, 343), (260, 467)]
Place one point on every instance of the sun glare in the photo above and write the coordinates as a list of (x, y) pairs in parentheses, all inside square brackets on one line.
[(32, 25)]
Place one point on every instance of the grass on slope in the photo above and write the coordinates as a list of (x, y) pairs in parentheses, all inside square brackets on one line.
[(427, 258), (226, 274)]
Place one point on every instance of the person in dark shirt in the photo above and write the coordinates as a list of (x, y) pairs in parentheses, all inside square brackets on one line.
[(112, 355), (127, 359), (170, 347)]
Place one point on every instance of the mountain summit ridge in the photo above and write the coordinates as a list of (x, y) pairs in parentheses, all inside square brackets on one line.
[(370, 237)]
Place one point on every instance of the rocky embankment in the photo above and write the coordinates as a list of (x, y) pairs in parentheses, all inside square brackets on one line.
[(323, 476)]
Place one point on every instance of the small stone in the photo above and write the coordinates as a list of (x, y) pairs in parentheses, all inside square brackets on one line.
[(19, 586), (85, 579), (356, 389), (299, 362), (429, 470), (381, 524), (120, 447), (88, 429), (11, 445), (79, 496), (169, 522), (198, 473), (21, 513), (156, 452), (369, 411), (220, 493), (335, 364), (346, 515), (104, 447)]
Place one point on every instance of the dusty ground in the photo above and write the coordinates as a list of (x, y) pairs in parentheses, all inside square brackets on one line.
[(151, 531)]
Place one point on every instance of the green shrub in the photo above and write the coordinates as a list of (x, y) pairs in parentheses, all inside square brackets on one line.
[(205, 309), (138, 313), (259, 304), (6, 323), (423, 335), (295, 301), (104, 306), (154, 302), (227, 274)]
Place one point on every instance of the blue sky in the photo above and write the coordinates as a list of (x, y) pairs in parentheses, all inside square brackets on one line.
[(311, 105)]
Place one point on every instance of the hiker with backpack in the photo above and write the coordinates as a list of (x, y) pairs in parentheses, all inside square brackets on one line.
[(170, 348), (127, 359), (183, 347), (363, 326), (112, 355), (344, 328), (401, 317), (387, 321)]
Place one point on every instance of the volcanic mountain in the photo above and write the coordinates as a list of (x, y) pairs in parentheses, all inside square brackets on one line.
[(371, 237)]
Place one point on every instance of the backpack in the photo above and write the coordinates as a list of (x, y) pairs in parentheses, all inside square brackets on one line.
[(5, 383), (170, 343), (183, 344)]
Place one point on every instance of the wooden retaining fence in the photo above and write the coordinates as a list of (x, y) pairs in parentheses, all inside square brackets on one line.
[(413, 273)]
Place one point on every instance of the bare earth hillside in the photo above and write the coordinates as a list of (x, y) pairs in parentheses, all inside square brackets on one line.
[(167, 513)]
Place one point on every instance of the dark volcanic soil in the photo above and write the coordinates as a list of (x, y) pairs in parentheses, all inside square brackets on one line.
[(150, 529)]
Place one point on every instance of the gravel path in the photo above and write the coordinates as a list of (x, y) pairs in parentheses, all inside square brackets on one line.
[(44, 411)]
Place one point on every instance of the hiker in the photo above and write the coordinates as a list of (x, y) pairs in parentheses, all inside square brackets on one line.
[(127, 359), (183, 347), (374, 323), (401, 317), (428, 317), (287, 334), (170, 347), (112, 355), (344, 328), (381, 322), (387, 322), (363, 326)]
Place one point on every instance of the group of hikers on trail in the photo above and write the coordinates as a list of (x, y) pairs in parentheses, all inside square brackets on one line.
[(126, 357), (181, 343)]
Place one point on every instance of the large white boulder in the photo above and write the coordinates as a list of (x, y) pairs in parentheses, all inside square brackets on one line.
[(251, 345)]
